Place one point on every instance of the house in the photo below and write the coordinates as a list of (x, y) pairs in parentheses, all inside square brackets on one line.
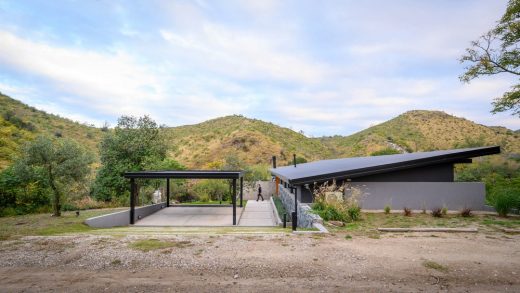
[(422, 180)]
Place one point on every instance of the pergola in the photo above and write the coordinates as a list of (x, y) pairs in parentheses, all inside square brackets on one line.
[(185, 174)]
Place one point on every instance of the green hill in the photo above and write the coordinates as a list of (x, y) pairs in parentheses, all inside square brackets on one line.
[(422, 131), (20, 123), (253, 141)]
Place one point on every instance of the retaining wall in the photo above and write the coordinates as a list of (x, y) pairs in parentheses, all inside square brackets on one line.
[(305, 217), (123, 218)]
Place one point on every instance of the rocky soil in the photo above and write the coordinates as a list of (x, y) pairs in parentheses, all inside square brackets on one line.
[(269, 262)]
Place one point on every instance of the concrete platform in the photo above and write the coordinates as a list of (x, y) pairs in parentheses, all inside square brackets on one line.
[(191, 216), (257, 214)]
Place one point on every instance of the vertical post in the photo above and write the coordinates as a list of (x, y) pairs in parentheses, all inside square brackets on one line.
[(241, 190), (294, 159), (234, 200), (295, 218), (274, 162), (167, 192), (132, 200), (277, 180)]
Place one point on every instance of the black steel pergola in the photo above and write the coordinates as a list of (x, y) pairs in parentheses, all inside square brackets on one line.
[(185, 174)]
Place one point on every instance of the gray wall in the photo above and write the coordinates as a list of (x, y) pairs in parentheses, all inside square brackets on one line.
[(419, 195), (122, 218), (268, 189)]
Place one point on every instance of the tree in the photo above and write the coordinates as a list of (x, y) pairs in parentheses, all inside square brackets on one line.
[(61, 163), (497, 52), (136, 144)]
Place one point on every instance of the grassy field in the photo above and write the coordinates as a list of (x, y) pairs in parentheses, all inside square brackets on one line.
[(369, 223), (45, 224)]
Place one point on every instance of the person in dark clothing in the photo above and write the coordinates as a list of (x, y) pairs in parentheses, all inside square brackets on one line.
[(259, 193)]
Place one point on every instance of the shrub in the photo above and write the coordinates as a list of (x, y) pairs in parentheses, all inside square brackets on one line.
[(332, 209), (437, 212), (444, 211), (354, 212), (504, 199), (407, 212), (465, 212), (387, 209)]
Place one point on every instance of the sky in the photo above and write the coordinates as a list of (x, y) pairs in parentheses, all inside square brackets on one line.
[(321, 67)]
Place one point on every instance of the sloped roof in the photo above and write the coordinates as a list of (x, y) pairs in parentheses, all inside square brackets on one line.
[(362, 166)]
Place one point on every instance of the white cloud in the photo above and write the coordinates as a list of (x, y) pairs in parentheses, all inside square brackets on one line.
[(243, 54)]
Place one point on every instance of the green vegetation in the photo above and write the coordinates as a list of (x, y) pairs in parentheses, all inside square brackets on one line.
[(44, 224), (433, 265), (135, 144), (485, 57), (387, 209), (369, 222), (20, 123), (153, 244), (333, 208), (387, 151), (45, 167), (279, 207)]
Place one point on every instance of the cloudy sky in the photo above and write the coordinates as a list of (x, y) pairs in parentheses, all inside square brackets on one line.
[(324, 67)]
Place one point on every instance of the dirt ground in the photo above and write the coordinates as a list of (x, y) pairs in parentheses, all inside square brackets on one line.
[(281, 262)]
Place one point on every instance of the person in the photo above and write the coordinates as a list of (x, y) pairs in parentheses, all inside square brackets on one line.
[(259, 193)]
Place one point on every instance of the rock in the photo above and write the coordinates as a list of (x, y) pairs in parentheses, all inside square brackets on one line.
[(235, 276), (337, 223)]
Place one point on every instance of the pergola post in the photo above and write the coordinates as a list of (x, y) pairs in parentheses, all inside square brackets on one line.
[(132, 201), (241, 190), (167, 192), (295, 214), (234, 199)]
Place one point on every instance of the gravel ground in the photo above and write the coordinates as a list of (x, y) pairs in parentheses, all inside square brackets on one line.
[(269, 262)]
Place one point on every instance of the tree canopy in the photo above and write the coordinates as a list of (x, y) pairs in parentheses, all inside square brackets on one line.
[(136, 144), (60, 162), (497, 52)]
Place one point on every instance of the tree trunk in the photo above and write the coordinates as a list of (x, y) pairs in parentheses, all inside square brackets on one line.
[(56, 202)]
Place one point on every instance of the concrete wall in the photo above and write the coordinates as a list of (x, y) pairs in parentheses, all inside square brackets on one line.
[(122, 218), (268, 189), (419, 195), (305, 217)]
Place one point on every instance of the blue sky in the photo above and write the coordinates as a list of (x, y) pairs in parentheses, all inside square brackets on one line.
[(324, 67)]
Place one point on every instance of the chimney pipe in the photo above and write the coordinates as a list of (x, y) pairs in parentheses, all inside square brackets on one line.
[(294, 159), (274, 162)]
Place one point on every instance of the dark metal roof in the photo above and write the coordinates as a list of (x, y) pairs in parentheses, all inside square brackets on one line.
[(362, 166), (187, 174)]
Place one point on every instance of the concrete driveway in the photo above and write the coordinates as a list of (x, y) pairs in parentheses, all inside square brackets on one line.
[(191, 216)]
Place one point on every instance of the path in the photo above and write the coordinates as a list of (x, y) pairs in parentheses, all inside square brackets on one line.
[(257, 213)]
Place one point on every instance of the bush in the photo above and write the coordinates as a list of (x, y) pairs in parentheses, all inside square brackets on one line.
[(465, 212), (437, 212), (354, 212), (504, 198), (444, 211), (407, 212), (331, 209), (387, 209)]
